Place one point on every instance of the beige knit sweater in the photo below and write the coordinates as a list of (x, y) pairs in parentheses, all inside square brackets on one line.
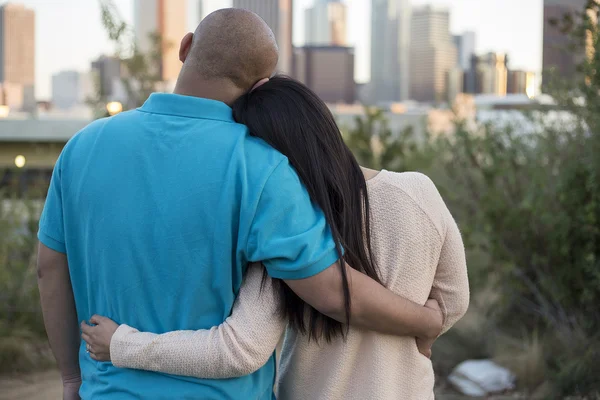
[(419, 252)]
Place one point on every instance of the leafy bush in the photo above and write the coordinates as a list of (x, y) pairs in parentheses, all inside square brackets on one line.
[(23, 345), (528, 204), (529, 209)]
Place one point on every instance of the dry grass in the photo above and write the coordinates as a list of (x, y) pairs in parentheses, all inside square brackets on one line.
[(24, 352), (471, 338), (544, 362), (523, 357)]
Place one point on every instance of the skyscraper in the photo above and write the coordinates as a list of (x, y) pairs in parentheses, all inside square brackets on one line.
[(521, 82), (491, 73), (432, 55), (455, 82), (390, 50), (328, 71), (555, 53), (17, 55), (278, 14), (70, 89), (166, 18), (206, 7), (465, 47), (108, 75), (326, 24)]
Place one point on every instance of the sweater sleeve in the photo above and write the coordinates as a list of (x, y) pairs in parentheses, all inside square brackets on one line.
[(451, 283), (242, 344)]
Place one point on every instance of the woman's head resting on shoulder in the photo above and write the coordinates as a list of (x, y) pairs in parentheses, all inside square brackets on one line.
[(294, 120)]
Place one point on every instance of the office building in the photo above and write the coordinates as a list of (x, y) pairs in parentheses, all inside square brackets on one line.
[(107, 75), (390, 50), (278, 14), (465, 48), (206, 7), (17, 56), (326, 24), (363, 93), (328, 71), (521, 82), (470, 78), (168, 20), (556, 55), (71, 89), (491, 73), (433, 53), (454, 83)]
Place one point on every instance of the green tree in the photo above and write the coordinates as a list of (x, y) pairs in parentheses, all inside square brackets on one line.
[(376, 146), (141, 71), (529, 201), (22, 336)]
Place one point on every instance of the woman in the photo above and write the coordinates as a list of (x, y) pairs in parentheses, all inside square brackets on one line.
[(394, 226)]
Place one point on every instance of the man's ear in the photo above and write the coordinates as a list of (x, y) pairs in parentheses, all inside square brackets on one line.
[(186, 45)]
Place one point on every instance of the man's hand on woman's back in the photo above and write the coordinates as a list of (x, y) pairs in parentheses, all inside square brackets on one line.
[(373, 306), (424, 344)]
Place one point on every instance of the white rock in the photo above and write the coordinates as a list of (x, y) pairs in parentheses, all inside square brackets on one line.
[(481, 377)]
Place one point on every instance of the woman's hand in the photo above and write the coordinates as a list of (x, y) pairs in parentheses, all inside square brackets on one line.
[(97, 337)]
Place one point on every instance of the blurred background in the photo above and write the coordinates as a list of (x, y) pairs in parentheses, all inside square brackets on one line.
[(498, 101)]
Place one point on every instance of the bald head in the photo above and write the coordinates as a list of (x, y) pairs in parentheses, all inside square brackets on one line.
[(232, 44)]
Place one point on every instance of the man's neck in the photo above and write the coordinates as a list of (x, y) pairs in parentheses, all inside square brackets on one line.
[(221, 90)]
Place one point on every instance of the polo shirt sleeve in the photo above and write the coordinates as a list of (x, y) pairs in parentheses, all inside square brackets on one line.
[(289, 233), (51, 230)]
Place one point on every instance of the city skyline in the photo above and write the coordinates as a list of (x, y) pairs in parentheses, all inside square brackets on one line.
[(432, 53), (17, 56), (161, 17), (278, 14), (62, 47), (391, 21), (326, 23)]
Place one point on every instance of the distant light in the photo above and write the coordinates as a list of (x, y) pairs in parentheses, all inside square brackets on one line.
[(530, 85), (114, 107), (4, 110), (20, 161), (398, 108), (530, 91)]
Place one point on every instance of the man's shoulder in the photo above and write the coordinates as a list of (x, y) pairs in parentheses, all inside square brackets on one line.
[(120, 121), (258, 146), (91, 128), (80, 145), (261, 157), (87, 132)]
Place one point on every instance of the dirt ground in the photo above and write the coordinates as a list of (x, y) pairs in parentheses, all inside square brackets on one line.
[(40, 386), (47, 386)]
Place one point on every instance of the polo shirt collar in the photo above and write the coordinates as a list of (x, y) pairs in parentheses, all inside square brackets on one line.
[(187, 106)]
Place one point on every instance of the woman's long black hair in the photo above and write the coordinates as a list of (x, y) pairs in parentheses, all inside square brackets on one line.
[(291, 118)]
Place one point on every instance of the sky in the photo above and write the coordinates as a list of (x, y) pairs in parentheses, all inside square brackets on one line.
[(69, 33)]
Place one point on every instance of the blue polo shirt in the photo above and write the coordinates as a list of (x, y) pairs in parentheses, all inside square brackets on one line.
[(159, 211)]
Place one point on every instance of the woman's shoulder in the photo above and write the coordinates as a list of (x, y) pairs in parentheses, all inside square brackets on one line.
[(413, 183), (414, 187)]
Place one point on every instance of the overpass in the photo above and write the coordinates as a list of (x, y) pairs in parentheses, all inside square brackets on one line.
[(39, 141), (29, 149)]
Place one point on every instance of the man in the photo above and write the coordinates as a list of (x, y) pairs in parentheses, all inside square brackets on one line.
[(153, 215)]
